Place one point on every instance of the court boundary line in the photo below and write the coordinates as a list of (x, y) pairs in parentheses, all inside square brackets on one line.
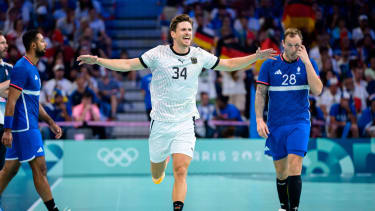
[(37, 202)]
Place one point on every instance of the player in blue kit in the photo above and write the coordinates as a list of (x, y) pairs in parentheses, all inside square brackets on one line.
[(287, 80), (21, 135)]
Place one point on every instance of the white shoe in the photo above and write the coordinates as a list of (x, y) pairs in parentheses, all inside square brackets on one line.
[(282, 210)]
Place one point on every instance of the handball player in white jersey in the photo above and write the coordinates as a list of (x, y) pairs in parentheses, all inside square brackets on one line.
[(175, 69)]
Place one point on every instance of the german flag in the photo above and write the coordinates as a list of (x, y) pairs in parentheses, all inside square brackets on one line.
[(231, 51), (204, 39), (299, 14)]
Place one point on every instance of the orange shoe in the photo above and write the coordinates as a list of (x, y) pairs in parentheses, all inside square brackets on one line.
[(159, 180)]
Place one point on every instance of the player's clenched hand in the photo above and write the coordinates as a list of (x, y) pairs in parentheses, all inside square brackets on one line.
[(56, 130), (266, 54), (262, 128), (7, 139), (302, 53), (87, 59)]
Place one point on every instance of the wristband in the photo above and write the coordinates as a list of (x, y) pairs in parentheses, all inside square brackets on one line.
[(8, 122)]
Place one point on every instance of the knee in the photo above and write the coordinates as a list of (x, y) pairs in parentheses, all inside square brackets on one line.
[(180, 171), (282, 175), (11, 171), (41, 170), (294, 169)]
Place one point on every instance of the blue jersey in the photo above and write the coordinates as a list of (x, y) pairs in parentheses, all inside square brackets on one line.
[(5, 70), (25, 77), (288, 91)]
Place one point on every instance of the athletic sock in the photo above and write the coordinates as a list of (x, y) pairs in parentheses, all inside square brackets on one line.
[(294, 190), (282, 190), (51, 206), (178, 205)]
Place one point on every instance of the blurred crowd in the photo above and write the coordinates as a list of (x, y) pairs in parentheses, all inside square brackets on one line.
[(341, 42), (70, 28)]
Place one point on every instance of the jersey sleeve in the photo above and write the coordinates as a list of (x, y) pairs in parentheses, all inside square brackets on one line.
[(209, 60), (150, 57), (18, 78), (263, 77), (315, 65)]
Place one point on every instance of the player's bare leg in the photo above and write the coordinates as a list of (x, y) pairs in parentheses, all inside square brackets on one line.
[(158, 171), (294, 180), (181, 163), (281, 167), (39, 169), (8, 172)]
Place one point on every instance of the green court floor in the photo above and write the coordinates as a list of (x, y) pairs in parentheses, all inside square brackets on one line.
[(205, 193)]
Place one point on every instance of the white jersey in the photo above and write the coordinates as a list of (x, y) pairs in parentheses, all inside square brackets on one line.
[(174, 82)]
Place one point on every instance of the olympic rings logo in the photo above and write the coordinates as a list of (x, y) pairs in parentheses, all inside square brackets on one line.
[(117, 156)]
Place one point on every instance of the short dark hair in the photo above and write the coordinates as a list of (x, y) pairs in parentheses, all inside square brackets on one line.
[(178, 19), (291, 32), (28, 38), (1, 33)]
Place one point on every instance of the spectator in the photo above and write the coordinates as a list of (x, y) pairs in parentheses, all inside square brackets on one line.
[(67, 24), (362, 29), (331, 95), (317, 119), (89, 111), (86, 110), (343, 119), (15, 34), (370, 71), (59, 82), (145, 86), (234, 88), (229, 112), (360, 94), (12, 15), (206, 112), (366, 122), (59, 108), (108, 89), (81, 88), (207, 83)]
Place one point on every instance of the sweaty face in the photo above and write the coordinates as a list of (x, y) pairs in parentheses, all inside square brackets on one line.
[(3, 47), (41, 46), (291, 45), (183, 34)]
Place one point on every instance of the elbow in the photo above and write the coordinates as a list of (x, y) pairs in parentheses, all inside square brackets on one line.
[(318, 89)]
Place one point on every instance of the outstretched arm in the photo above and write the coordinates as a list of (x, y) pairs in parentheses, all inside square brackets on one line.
[(242, 62), (122, 65), (260, 102)]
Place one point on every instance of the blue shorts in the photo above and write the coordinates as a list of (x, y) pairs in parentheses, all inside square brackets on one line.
[(288, 139), (26, 146)]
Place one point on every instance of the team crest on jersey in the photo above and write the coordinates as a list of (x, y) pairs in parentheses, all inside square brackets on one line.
[(194, 60), (298, 70)]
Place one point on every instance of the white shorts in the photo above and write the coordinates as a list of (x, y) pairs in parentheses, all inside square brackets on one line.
[(167, 138)]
